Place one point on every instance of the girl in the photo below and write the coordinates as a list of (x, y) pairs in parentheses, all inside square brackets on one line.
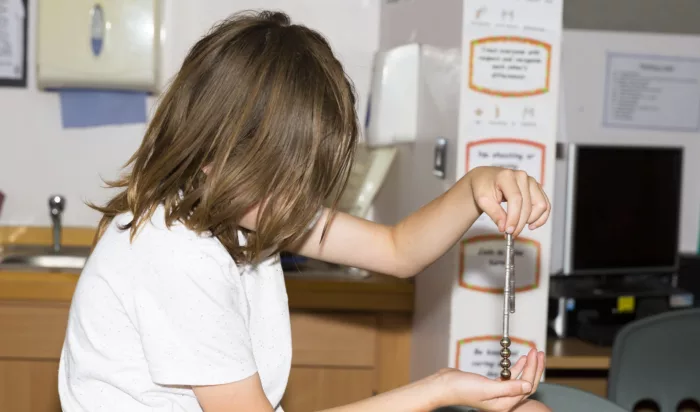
[(182, 304)]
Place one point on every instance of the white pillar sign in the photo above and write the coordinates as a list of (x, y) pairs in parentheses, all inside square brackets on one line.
[(488, 96), (507, 117)]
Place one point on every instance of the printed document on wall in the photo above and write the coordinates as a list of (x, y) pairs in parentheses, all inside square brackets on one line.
[(12, 15), (652, 92)]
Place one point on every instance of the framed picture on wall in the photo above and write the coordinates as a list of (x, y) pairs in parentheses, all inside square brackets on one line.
[(13, 43)]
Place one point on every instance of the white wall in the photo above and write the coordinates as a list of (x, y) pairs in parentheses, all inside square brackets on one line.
[(39, 158), (583, 76), (417, 21), (410, 183)]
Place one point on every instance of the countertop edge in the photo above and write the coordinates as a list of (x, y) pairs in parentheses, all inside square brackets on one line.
[(376, 293)]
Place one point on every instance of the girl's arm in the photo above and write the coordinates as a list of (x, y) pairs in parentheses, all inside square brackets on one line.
[(248, 395), (448, 387), (421, 238)]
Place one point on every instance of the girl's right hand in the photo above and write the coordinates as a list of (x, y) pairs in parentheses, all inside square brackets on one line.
[(476, 391)]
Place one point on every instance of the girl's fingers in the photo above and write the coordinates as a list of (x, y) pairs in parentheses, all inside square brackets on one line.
[(505, 389), (523, 181), (528, 205), (530, 371), (539, 201), (540, 371), (542, 201), (493, 210), (508, 185)]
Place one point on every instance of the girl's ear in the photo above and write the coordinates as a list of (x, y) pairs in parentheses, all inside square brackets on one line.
[(250, 219)]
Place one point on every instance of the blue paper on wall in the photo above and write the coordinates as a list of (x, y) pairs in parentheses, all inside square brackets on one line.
[(91, 108)]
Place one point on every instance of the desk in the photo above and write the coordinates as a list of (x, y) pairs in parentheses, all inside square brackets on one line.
[(579, 364)]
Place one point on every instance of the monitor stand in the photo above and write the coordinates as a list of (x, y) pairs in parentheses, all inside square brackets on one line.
[(611, 286), (593, 307)]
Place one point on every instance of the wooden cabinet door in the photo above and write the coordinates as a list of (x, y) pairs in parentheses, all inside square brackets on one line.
[(29, 386), (316, 388), (338, 357), (333, 360), (31, 337)]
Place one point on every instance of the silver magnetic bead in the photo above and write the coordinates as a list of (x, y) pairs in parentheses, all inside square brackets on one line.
[(505, 374), (505, 342), (505, 363), (505, 352)]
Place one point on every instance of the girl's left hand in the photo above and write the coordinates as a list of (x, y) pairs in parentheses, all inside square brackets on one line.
[(486, 395), (527, 202)]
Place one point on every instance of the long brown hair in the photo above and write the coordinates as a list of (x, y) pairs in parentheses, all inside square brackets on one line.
[(267, 110)]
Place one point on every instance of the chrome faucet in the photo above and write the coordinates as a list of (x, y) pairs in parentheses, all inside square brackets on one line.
[(56, 205)]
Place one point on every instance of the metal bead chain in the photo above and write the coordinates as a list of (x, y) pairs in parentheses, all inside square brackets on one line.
[(508, 306), (505, 358)]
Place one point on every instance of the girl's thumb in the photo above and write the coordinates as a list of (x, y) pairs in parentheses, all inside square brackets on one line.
[(501, 389)]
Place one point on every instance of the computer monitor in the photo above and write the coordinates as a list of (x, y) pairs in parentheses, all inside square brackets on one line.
[(622, 209)]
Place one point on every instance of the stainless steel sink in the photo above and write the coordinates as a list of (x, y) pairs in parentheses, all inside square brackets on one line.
[(54, 258), (72, 260), (43, 258), (314, 269), (348, 274)]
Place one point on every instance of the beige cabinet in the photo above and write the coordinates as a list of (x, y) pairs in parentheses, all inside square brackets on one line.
[(338, 357), (31, 336)]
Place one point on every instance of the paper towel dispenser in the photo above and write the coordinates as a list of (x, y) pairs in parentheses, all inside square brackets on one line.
[(98, 44), (392, 115)]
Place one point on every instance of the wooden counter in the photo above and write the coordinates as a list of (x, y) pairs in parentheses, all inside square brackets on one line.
[(376, 293), (314, 292), (574, 354), (579, 364)]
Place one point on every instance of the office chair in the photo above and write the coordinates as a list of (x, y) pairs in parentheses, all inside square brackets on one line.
[(654, 359)]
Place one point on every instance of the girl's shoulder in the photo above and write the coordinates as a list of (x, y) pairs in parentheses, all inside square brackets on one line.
[(159, 243)]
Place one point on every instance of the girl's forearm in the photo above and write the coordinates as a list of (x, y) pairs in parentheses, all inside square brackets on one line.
[(420, 396), (425, 235)]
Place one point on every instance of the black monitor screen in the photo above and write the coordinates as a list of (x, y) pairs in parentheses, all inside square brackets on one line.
[(626, 208)]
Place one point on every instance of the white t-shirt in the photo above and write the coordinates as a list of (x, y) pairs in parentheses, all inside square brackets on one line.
[(170, 310)]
